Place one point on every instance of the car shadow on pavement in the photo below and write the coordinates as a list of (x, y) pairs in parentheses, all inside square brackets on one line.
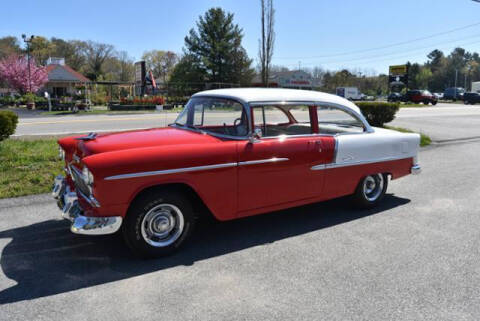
[(46, 259)]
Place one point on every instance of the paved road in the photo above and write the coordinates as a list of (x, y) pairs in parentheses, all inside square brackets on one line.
[(442, 122), (416, 257)]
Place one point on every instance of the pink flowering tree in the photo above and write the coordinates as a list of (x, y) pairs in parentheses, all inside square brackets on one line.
[(14, 71)]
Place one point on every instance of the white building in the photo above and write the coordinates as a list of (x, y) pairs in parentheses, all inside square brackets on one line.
[(296, 79)]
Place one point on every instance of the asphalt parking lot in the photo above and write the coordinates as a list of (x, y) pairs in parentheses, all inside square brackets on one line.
[(416, 257)]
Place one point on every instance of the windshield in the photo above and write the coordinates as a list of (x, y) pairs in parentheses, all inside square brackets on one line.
[(215, 115)]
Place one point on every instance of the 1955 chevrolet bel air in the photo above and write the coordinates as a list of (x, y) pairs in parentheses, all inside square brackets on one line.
[(232, 153)]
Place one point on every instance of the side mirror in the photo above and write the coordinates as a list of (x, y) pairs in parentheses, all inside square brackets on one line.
[(255, 136)]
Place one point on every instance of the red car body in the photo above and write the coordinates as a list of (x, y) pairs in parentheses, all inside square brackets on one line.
[(242, 187)]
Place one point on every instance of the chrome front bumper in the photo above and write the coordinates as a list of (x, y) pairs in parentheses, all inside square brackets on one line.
[(416, 169), (67, 201)]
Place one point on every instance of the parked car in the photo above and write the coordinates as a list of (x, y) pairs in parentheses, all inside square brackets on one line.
[(368, 98), (232, 153), (471, 98), (454, 93), (394, 97), (420, 96), (438, 95)]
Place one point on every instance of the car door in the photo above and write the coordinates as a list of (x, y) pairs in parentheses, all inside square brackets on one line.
[(277, 169)]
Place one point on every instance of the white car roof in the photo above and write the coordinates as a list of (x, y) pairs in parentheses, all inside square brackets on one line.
[(278, 94)]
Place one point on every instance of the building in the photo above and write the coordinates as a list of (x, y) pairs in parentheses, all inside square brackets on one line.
[(62, 80), (295, 79)]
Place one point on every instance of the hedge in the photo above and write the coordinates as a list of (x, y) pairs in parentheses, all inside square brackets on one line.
[(8, 123), (378, 113)]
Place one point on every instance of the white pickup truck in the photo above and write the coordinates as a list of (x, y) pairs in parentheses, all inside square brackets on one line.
[(351, 93)]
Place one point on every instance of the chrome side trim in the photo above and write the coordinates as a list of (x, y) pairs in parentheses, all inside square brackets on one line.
[(170, 171), (337, 165), (263, 161), (191, 169)]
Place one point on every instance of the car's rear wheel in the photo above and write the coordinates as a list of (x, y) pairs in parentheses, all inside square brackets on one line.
[(157, 224), (371, 190), (426, 102), (434, 103)]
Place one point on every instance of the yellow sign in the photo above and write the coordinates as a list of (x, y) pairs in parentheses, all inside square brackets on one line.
[(398, 70)]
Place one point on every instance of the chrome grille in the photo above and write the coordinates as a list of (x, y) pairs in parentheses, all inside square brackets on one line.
[(78, 180)]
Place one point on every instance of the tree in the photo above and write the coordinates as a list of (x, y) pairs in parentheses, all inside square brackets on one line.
[(160, 62), (96, 54), (423, 77), (9, 46), (216, 48), (71, 50), (265, 52), (14, 70), (41, 49)]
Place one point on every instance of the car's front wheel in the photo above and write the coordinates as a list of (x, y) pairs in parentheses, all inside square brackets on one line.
[(371, 190), (157, 224)]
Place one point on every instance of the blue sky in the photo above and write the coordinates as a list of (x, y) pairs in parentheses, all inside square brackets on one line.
[(310, 32)]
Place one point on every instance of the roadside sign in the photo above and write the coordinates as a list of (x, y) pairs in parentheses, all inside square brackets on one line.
[(398, 70)]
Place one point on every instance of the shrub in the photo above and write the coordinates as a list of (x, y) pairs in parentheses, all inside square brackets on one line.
[(29, 98), (378, 113), (8, 123), (99, 99), (7, 101)]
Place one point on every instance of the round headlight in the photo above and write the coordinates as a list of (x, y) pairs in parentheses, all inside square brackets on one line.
[(61, 153)]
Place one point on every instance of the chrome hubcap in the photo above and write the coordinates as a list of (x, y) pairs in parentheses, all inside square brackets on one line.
[(162, 225), (373, 186)]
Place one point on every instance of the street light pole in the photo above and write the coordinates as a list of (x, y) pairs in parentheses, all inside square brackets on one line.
[(28, 41), (456, 77)]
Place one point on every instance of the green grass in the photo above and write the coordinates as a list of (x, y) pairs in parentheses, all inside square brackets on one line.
[(424, 139), (28, 167), (412, 105)]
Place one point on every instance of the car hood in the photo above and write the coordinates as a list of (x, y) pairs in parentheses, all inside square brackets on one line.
[(107, 142)]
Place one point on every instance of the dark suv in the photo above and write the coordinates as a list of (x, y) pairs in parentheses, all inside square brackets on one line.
[(394, 97), (471, 98), (454, 93), (420, 96)]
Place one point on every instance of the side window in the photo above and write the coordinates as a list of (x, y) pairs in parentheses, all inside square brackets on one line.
[(286, 120), (275, 116), (336, 121), (221, 116)]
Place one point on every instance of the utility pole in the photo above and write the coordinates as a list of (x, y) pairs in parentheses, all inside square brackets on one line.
[(28, 41), (456, 78)]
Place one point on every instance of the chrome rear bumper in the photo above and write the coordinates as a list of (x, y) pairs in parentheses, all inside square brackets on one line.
[(67, 201), (416, 169)]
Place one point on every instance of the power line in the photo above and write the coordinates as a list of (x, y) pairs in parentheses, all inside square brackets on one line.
[(369, 59), (386, 46)]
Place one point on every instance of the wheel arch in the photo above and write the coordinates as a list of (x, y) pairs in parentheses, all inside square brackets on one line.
[(199, 206)]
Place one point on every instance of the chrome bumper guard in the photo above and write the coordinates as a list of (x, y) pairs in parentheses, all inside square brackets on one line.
[(416, 169), (67, 201)]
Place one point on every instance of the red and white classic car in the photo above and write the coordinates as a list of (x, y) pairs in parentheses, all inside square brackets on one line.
[(232, 153)]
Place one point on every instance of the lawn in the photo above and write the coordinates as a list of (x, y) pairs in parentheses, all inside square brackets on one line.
[(424, 139), (412, 105), (28, 167)]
